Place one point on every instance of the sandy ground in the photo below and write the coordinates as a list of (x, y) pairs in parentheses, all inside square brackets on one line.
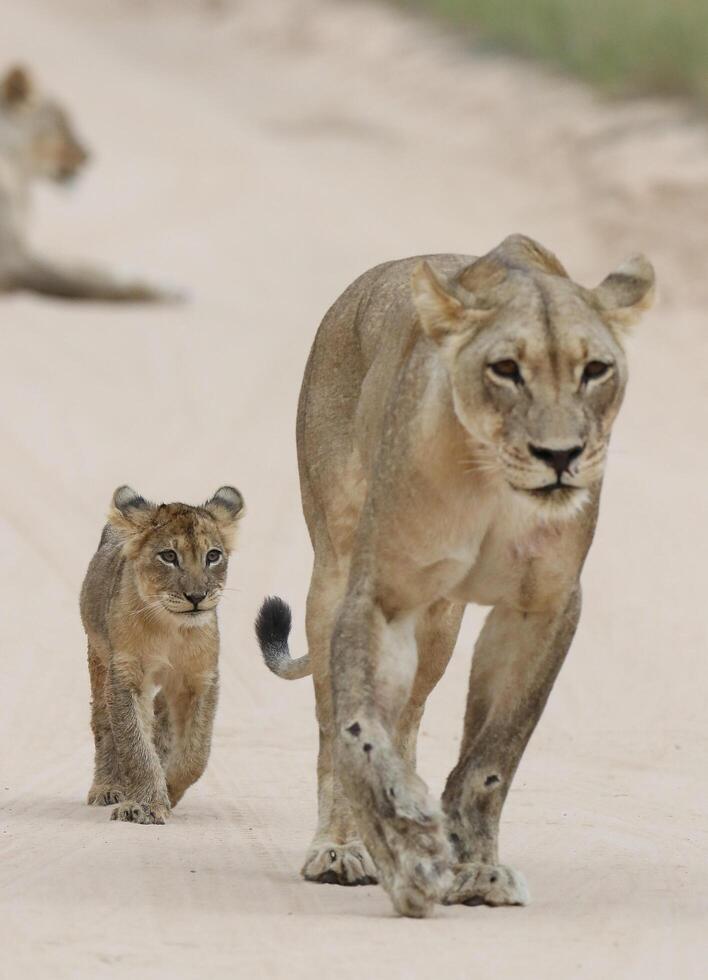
[(262, 155)]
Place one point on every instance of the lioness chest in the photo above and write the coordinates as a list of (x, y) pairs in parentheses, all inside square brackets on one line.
[(526, 571), (499, 557)]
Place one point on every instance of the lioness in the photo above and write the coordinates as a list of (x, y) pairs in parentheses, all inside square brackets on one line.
[(452, 433), (148, 605), (37, 140)]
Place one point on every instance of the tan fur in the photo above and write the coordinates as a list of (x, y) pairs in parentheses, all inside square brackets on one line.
[(153, 648), (422, 493), (38, 141)]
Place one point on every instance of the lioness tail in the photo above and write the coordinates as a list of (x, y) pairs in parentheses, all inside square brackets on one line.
[(272, 629)]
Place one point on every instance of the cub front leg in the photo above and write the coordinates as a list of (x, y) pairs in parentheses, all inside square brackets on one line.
[(192, 722), (516, 661), (143, 780), (373, 668)]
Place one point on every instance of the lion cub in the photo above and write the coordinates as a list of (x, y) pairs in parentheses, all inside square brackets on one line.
[(148, 605)]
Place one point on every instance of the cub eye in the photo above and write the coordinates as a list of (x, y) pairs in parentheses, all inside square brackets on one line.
[(168, 556), (508, 369), (595, 369), (213, 556)]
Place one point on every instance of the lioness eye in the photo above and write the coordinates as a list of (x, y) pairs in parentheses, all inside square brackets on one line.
[(507, 369), (168, 556), (595, 369), (213, 556)]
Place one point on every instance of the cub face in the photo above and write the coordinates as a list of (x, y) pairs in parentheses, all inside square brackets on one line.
[(48, 141), (179, 554), (536, 367)]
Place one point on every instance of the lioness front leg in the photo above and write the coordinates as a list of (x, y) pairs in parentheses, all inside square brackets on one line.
[(337, 855), (192, 722), (516, 661), (373, 667), (131, 714)]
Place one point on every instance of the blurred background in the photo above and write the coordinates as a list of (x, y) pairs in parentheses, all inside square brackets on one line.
[(626, 47), (260, 156)]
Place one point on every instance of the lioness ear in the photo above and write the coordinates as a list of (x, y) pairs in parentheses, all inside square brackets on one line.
[(226, 507), (627, 292), (16, 86), (441, 313), (129, 511)]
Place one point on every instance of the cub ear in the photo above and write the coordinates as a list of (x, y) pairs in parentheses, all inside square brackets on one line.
[(627, 292), (129, 511), (226, 507), (16, 86), (442, 314)]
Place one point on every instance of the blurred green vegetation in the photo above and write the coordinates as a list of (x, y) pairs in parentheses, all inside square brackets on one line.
[(623, 46)]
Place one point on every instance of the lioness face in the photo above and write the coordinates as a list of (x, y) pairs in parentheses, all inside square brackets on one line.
[(539, 387), (179, 553), (536, 367), (51, 147)]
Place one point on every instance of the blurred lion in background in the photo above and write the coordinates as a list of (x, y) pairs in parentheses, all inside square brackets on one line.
[(38, 141)]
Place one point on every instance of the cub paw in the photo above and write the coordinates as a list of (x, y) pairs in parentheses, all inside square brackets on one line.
[(132, 812), (340, 864), (102, 794), (487, 884)]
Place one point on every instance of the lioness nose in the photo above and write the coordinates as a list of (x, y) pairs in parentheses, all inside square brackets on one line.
[(558, 459), (195, 597)]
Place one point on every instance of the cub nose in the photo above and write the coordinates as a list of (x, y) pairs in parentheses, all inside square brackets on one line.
[(195, 597), (558, 459)]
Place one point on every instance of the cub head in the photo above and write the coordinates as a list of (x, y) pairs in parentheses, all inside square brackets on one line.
[(536, 365), (179, 554), (43, 132)]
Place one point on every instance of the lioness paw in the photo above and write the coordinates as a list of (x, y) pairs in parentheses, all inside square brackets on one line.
[(104, 795), (132, 812), (340, 864), (487, 884), (419, 875)]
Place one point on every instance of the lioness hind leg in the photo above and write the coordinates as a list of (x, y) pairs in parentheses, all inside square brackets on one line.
[(106, 788), (337, 855), (374, 664), (517, 658), (436, 635)]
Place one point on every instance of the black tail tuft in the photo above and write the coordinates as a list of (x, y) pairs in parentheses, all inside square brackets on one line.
[(273, 622), (272, 629)]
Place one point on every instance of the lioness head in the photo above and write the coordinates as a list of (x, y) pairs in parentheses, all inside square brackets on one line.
[(43, 132), (179, 554), (536, 364)]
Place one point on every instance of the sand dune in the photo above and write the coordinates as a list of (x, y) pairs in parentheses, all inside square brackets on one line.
[(262, 155)]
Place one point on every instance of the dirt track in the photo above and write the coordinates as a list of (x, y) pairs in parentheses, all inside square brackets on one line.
[(263, 156)]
